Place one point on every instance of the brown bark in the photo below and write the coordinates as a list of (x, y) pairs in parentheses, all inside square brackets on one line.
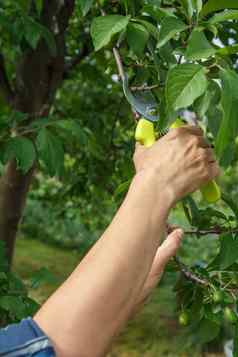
[(13, 191), (39, 74)]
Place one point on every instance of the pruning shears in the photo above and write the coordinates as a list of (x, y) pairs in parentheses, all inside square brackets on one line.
[(145, 105)]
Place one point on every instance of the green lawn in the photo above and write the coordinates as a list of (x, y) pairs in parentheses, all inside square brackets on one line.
[(154, 333)]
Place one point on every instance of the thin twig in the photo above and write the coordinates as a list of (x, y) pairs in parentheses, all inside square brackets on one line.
[(216, 231), (119, 63), (144, 88), (190, 275)]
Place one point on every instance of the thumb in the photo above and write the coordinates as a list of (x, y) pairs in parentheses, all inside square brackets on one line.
[(166, 251), (139, 148)]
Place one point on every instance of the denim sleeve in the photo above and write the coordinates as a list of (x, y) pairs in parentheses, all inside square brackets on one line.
[(25, 339)]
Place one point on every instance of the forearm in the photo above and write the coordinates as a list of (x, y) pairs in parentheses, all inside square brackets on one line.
[(89, 309)]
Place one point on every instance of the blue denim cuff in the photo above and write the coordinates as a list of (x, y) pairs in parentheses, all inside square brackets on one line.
[(24, 339)]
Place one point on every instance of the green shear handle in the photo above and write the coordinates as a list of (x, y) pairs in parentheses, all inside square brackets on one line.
[(145, 134)]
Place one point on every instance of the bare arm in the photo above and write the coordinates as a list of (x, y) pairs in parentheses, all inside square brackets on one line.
[(84, 315)]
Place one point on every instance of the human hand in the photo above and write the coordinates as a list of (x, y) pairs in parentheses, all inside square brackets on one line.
[(181, 161), (164, 253)]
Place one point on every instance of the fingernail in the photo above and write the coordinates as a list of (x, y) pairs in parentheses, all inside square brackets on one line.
[(180, 233)]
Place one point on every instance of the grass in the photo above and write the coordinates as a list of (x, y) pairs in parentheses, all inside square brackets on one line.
[(153, 333)]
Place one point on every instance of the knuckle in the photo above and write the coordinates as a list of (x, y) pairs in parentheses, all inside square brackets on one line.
[(194, 141), (216, 170), (176, 132)]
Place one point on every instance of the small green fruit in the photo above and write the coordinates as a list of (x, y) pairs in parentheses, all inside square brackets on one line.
[(183, 319), (230, 315), (217, 296)]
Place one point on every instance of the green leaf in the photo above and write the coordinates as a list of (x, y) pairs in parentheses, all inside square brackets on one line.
[(197, 4), (39, 6), (229, 102), (51, 151), (216, 5), (105, 27), (228, 50), (153, 31), (122, 188), (32, 32), (188, 6), (157, 13), (199, 47), (170, 26), (85, 6), (208, 100), (185, 83), (21, 149), (14, 305), (137, 37), (224, 16), (72, 127), (228, 250), (206, 331)]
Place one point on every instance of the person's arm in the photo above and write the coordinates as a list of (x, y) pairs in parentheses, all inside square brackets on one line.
[(84, 315)]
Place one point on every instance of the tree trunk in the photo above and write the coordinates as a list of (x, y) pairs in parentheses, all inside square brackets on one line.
[(39, 74), (13, 191)]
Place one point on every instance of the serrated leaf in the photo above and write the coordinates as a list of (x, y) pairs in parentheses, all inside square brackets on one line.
[(229, 102), (224, 16), (105, 27), (228, 250), (153, 31), (216, 5), (170, 26), (50, 151), (199, 47), (85, 6), (185, 83), (137, 38), (21, 149)]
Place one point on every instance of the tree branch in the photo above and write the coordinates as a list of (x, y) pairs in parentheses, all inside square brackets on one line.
[(215, 230), (144, 87), (5, 86), (190, 275)]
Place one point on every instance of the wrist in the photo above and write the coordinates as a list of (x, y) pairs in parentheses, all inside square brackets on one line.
[(148, 183)]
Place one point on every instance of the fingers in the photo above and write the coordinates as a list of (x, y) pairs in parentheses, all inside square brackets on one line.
[(214, 170), (202, 142), (166, 251), (206, 155), (193, 130)]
